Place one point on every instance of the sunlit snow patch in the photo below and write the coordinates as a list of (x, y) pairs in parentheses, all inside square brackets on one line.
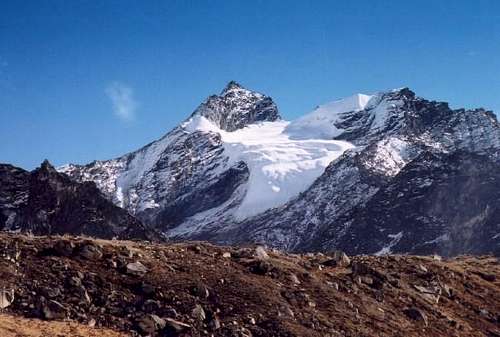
[(280, 167), (319, 123)]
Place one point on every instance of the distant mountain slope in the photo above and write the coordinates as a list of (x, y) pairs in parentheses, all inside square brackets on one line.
[(47, 202)]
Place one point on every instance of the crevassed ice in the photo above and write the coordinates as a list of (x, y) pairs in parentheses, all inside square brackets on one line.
[(280, 167)]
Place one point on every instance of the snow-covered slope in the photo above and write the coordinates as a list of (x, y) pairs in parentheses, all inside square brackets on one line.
[(280, 167), (321, 123)]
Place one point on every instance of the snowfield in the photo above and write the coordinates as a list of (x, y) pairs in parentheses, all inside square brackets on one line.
[(320, 122), (280, 167)]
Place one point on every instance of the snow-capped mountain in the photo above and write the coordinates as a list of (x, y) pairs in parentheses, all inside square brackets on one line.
[(199, 166), (234, 171)]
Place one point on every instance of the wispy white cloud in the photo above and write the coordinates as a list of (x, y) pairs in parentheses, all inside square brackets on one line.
[(122, 99)]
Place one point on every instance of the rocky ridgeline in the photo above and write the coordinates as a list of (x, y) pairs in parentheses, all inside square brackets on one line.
[(198, 289)]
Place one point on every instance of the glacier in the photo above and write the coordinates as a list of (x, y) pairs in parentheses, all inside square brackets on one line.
[(280, 167)]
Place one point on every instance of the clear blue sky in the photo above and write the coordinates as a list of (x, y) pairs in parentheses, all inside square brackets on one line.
[(84, 80)]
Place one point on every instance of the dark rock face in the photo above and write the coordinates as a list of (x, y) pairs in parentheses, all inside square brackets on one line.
[(439, 203), (205, 198), (48, 202), (237, 107)]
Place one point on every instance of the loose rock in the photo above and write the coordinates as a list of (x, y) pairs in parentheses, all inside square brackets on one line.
[(53, 310), (151, 324), (416, 314), (136, 268), (6, 298), (174, 326), (198, 313), (91, 251), (260, 253)]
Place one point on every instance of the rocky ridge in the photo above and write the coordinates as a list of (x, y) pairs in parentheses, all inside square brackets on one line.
[(45, 201)]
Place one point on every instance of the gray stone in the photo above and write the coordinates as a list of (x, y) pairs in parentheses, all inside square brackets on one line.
[(260, 253), (91, 251), (6, 298), (136, 268), (151, 324), (53, 310), (198, 313)]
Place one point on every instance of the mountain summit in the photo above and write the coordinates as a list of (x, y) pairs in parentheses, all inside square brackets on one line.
[(366, 174), (237, 107)]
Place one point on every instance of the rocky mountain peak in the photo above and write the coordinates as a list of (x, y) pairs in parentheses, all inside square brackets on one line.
[(232, 85), (403, 93), (46, 166), (237, 107), (48, 173)]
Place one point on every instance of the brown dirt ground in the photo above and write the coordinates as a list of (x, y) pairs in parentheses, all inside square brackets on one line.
[(12, 326)]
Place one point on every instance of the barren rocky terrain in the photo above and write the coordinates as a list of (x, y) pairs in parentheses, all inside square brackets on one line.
[(78, 286)]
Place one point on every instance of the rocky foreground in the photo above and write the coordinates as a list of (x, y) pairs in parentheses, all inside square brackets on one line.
[(197, 289)]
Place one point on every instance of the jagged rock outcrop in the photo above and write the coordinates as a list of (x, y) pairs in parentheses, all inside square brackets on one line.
[(45, 201), (237, 107)]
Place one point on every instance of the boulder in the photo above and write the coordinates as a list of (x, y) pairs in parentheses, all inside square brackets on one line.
[(200, 290), (416, 314), (90, 251), (175, 327), (64, 248), (136, 268), (198, 313), (339, 259), (260, 253), (53, 310), (6, 298), (150, 325)]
